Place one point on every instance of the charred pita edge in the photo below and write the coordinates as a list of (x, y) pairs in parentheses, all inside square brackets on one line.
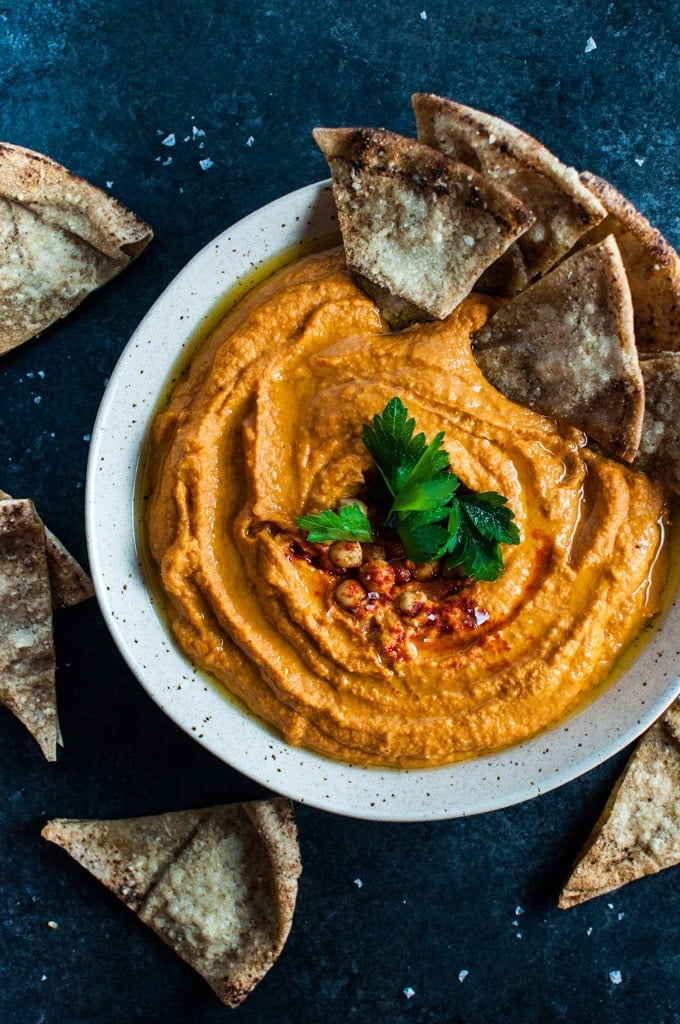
[(638, 832), (27, 659), (659, 452), (244, 852), (69, 583), (65, 199), (413, 222), (62, 239), (563, 206), (565, 347), (652, 265)]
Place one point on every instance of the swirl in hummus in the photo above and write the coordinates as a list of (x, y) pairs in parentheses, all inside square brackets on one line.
[(266, 427)]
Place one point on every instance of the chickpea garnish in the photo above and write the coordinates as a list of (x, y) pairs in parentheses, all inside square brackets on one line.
[(350, 595)]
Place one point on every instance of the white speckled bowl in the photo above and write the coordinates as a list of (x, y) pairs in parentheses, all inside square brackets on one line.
[(605, 726)]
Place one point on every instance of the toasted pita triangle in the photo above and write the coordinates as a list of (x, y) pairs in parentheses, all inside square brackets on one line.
[(60, 238), (69, 582), (413, 222), (652, 266), (563, 207), (565, 348), (218, 885), (638, 833), (27, 661), (659, 452)]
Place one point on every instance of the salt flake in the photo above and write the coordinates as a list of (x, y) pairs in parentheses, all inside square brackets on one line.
[(409, 992), (462, 975), (590, 45), (109, 184), (250, 140), (423, 15), (615, 977), (169, 140), (206, 163), (358, 883), (639, 160)]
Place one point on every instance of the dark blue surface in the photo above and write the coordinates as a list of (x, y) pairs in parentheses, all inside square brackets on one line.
[(98, 86)]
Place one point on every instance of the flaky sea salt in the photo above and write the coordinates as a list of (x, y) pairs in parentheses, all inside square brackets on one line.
[(409, 992), (639, 160), (423, 15), (462, 975), (358, 883), (590, 45), (250, 140), (615, 977), (206, 163), (169, 140)]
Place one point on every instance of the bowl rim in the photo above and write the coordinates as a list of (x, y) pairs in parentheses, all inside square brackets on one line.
[(616, 717)]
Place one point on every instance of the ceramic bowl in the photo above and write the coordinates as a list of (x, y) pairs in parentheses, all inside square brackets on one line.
[(616, 717)]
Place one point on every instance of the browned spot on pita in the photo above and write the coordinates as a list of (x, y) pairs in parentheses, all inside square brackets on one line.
[(27, 662), (563, 207), (652, 265), (659, 452), (414, 223), (218, 885), (69, 582), (565, 347), (638, 832), (60, 238)]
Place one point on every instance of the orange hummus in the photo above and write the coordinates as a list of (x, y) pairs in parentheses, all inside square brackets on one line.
[(266, 427)]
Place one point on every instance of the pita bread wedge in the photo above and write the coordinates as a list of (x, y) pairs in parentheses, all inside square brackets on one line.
[(563, 207), (638, 833), (218, 885), (69, 582), (27, 661), (60, 238), (652, 265), (565, 347), (659, 452), (413, 222)]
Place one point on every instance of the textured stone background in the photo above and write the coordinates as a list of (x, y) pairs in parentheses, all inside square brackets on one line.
[(463, 912)]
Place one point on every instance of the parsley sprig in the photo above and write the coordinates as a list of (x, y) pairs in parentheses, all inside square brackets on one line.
[(434, 514)]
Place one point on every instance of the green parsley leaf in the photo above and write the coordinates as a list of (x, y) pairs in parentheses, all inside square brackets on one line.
[(420, 497), (350, 523), (392, 446), (491, 516)]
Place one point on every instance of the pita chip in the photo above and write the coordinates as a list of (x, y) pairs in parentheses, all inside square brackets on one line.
[(27, 660), (652, 265), (60, 238), (218, 885), (564, 208), (414, 223), (638, 833), (565, 347), (69, 582), (659, 451)]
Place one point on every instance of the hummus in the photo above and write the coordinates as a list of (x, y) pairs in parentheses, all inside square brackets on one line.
[(266, 427)]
